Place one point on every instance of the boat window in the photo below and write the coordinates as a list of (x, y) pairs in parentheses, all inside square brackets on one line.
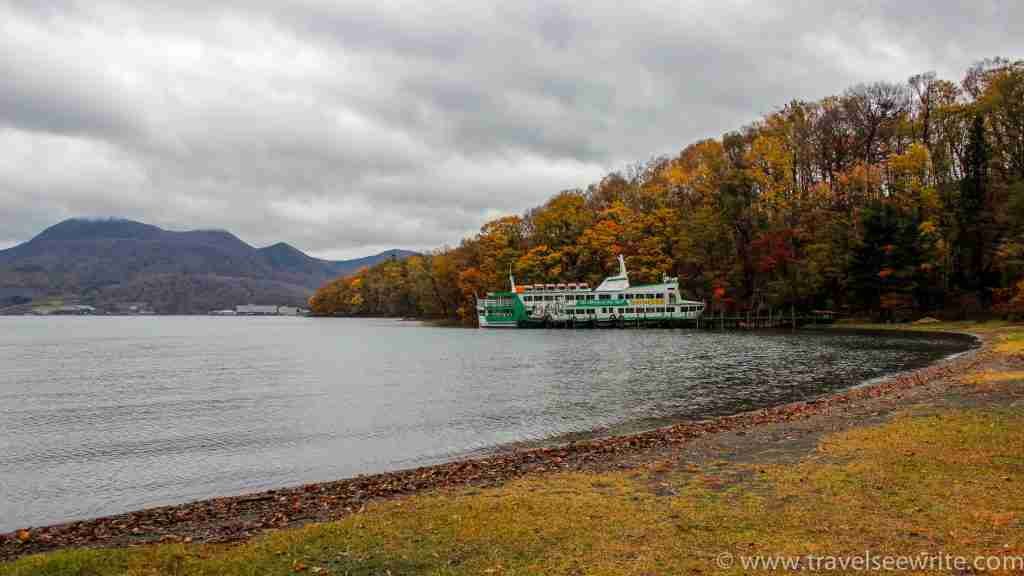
[(605, 297), (660, 296), (670, 309), (622, 310), (590, 296)]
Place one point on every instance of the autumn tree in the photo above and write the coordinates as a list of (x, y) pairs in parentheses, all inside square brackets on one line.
[(891, 199)]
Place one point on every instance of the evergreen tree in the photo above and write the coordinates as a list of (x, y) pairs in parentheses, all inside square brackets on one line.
[(973, 216), (885, 265)]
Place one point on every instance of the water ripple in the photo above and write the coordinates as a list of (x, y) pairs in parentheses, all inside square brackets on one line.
[(104, 415)]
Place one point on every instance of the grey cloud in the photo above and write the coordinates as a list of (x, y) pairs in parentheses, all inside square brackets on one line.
[(40, 95), (370, 28), (341, 127)]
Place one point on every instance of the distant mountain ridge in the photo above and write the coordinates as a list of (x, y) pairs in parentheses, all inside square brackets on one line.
[(108, 261)]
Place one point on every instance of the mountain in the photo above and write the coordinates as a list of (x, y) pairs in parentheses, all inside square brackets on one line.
[(284, 256), (114, 261)]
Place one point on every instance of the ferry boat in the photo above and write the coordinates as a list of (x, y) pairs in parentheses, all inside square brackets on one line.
[(614, 303)]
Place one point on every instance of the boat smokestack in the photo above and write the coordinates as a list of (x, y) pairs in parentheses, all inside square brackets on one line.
[(622, 266)]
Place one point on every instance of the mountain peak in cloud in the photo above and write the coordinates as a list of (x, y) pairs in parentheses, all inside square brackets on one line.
[(96, 228), (107, 261)]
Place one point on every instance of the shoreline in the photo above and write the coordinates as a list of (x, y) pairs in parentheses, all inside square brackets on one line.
[(633, 427), (240, 517)]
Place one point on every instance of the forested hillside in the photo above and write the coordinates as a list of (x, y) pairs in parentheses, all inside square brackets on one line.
[(889, 200), (108, 262)]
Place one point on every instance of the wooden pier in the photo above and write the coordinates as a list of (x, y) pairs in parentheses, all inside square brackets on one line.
[(773, 320)]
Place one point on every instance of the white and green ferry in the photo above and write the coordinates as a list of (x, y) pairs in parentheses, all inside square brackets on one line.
[(613, 303)]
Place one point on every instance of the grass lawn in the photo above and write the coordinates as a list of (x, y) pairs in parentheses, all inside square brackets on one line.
[(972, 326)]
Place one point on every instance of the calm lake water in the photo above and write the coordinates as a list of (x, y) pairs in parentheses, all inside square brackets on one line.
[(106, 415)]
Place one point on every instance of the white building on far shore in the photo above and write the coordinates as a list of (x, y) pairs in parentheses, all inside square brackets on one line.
[(269, 310), (256, 309)]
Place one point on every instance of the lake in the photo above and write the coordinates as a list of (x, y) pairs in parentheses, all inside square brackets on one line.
[(101, 415)]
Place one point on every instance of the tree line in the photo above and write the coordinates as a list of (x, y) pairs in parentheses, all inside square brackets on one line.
[(891, 200)]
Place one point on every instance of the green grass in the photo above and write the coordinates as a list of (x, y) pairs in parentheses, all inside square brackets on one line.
[(970, 326), (951, 483)]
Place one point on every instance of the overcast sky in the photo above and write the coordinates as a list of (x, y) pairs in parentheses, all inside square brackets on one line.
[(348, 127)]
